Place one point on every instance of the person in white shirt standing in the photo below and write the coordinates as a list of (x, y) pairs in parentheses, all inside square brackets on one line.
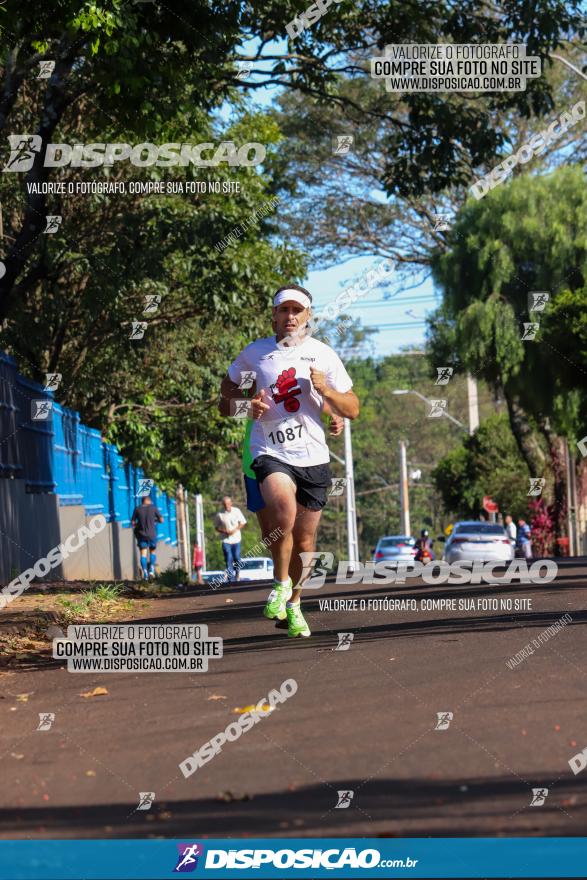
[(510, 528), (229, 522), (294, 375)]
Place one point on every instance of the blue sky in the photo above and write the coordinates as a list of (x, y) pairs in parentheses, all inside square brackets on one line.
[(404, 310)]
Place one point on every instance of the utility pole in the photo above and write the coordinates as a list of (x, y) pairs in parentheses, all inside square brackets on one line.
[(183, 543), (571, 498), (188, 543), (351, 511), (404, 498), (473, 404), (179, 516), (200, 531)]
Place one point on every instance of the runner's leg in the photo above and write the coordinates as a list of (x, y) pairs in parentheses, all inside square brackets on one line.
[(304, 540), (265, 522), (279, 494), (152, 559), (144, 565)]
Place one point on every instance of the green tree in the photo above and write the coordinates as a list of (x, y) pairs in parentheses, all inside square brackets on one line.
[(522, 237), (139, 64), (386, 419), (378, 198), (486, 463), (155, 396)]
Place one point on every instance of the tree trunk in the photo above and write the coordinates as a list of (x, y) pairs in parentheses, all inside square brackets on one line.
[(526, 438), (557, 456)]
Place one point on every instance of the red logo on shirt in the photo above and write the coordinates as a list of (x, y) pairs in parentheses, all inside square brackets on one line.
[(287, 389)]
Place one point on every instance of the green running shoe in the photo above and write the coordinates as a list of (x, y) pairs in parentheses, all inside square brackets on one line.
[(296, 624), (279, 595)]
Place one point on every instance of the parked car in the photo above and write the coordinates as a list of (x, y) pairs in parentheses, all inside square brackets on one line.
[(256, 568), (471, 541), (399, 548)]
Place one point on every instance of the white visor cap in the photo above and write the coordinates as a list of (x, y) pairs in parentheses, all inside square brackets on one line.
[(291, 295)]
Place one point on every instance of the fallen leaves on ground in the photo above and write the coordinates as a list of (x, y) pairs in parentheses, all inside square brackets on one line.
[(229, 796), (238, 710), (97, 692), (54, 632), (216, 697)]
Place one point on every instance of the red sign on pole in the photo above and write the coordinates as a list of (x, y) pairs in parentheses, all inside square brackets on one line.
[(489, 505)]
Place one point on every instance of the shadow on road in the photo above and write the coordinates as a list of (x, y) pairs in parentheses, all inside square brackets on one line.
[(422, 807), (324, 637)]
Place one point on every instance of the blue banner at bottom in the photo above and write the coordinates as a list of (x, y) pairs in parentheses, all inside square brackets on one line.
[(295, 857)]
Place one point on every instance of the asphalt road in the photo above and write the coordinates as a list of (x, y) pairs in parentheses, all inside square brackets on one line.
[(362, 720)]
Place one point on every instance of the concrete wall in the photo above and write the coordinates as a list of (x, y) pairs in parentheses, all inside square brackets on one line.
[(31, 524)]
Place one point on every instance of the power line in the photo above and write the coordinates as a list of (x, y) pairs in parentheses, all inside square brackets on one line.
[(393, 302), (394, 326)]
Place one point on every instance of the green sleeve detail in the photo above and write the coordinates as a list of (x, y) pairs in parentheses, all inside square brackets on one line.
[(247, 457)]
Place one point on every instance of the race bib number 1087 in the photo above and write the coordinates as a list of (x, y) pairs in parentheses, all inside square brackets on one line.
[(285, 433)]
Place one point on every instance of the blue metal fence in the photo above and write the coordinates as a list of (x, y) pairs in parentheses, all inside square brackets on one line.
[(47, 446)]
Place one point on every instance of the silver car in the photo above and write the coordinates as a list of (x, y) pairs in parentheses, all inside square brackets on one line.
[(400, 548), (471, 541)]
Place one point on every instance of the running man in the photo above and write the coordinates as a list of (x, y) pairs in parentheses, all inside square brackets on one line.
[(296, 375), (144, 522), (255, 503)]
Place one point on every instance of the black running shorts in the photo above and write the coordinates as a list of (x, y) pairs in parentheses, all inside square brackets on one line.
[(312, 483)]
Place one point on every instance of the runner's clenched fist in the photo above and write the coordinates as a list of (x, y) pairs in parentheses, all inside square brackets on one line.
[(319, 380), (258, 405)]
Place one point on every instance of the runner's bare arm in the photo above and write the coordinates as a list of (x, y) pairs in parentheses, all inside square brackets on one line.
[(344, 404), (336, 422), (230, 391)]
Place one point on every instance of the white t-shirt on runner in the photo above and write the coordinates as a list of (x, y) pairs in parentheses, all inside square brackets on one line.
[(291, 429)]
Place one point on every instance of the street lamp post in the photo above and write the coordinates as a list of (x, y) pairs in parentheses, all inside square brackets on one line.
[(351, 509), (404, 497), (403, 470)]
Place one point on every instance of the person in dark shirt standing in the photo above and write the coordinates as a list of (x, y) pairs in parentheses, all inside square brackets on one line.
[(144, 522)]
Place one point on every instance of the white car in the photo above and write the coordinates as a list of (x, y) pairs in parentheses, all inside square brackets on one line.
[(256, 568), (475, 540)]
